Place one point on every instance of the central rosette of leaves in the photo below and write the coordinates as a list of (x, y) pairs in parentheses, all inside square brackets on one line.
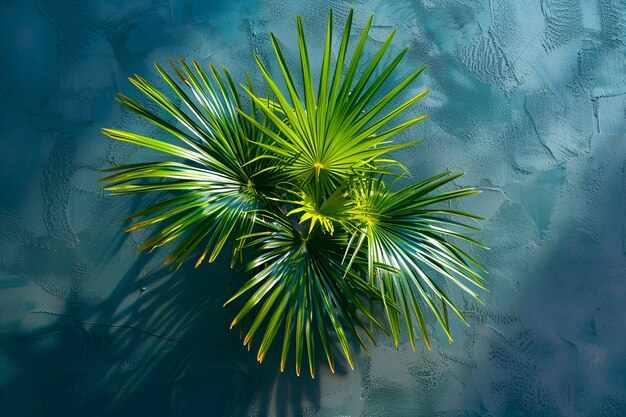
[(297, 181)]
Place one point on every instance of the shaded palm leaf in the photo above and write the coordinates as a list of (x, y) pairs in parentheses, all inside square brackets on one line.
[(297, 285)]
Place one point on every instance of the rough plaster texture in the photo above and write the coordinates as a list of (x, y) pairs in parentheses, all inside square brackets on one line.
[(528, 97)]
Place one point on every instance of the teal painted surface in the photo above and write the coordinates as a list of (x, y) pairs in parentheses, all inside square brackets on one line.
[(528, 97)]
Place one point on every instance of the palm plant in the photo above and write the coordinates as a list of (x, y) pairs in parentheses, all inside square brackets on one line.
[(298, 183)]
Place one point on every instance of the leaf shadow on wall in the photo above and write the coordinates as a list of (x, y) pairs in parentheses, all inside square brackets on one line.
[(159, 344)]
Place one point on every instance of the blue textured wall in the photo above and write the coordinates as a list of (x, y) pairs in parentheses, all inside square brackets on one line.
[(528, 97)]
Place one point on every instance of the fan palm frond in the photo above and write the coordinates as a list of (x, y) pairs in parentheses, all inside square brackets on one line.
[(331, 131), (410, 233), (222, 178), (295, 285)]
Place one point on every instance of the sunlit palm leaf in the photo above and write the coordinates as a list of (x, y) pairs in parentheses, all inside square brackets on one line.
[(223, 177), (331, 131), (407, 231)]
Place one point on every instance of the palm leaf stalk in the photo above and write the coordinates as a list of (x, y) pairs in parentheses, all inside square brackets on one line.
[(298, 184)]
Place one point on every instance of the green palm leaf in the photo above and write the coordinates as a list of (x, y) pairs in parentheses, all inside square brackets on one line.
[(404, 231), (330, 132), (223, 177), (296, 283)]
